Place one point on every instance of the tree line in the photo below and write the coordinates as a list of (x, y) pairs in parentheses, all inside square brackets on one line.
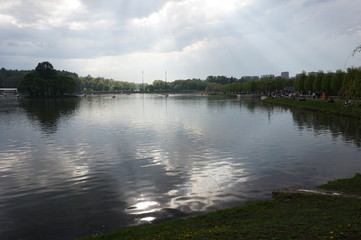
[(11, 78), (333, 83), (223, 84), (46, 81), (100, 84), (263, 84)]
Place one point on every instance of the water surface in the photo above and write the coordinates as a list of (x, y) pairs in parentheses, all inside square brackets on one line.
[(76, 167)]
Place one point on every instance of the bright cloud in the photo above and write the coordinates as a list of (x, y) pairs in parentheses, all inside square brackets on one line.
[(188, 38)]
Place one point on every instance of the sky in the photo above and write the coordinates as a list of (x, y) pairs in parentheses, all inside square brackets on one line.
[(120, 39)]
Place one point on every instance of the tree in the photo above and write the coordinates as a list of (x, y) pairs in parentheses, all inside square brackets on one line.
[(308, 85), (11, 78), (64, 84), (336, 82), (45, 70), (299, 84), (220, 79), (45, 81), (160, 85), (317, 83), (31, 84), (326, 82), (351, 85)]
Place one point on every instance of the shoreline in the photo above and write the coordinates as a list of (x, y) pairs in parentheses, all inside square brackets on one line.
[(328, 211), (336, 108)]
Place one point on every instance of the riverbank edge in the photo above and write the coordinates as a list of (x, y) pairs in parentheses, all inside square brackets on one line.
[(317, 106), (51, 97), (289, 214)]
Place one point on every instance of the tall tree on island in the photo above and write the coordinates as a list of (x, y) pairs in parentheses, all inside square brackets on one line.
[(45, 81)]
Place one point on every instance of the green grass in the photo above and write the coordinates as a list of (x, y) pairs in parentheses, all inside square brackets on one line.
[(287, 216), (320, 105), (350, 185)]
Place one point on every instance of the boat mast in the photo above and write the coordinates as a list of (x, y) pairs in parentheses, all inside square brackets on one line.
[(143, 80), (166, 94)]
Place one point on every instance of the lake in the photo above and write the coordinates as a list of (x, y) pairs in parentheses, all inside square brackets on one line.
[(81, 166)]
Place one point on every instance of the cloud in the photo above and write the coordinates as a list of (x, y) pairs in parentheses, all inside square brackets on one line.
[(188, 21), (190, 38), (39, 14)]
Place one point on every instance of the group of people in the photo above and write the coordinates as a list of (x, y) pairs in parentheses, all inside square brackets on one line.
[(301, 96)]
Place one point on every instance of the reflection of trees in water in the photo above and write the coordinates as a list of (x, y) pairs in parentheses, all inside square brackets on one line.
[(348, 128), (320, 122), (250, 104), (218, 105), (48, 111)]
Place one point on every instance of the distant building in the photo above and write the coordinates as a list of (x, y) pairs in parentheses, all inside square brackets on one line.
[(285, 75), (312, 73)]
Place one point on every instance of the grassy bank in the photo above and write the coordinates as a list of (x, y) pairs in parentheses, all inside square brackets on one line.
[(336, 107), (287, 216)]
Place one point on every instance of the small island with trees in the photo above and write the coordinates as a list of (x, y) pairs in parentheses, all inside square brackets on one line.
[(47, 82)]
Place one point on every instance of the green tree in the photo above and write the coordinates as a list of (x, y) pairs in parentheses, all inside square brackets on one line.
[(317, 82), (326, 82), (45, 70), (45, 81), (351, 85), (160, 85), (308, 85), (11, 78), (64, 84), (299, 84), (346, 88), (336, 82), (31, 84)]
